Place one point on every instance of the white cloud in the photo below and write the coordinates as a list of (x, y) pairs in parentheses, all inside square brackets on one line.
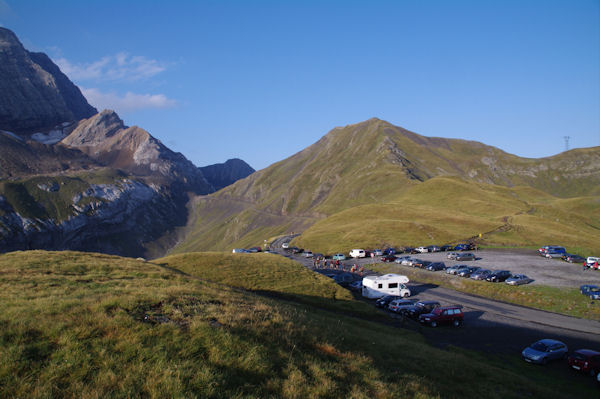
[(127, 102), (121, 66)]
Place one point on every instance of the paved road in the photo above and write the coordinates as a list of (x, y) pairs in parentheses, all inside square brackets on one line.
[(490, 325)]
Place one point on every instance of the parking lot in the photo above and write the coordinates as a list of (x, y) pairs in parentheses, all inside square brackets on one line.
[(550, 272)]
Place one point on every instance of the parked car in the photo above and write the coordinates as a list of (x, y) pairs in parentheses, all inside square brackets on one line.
[(585, 360), (453, 269), (593, 291), (389, 251), (498, 276), (466, 272), (587, 287), (356, 285), (407, 261), (442, 315), (445, 248), (397, 305), (339, 257), (239, 251), (384, 301), (554, 253), (545, 350), (377, 252), (422, 249), (572, 258), (436, 266), (421, 264), (543, 250), (308, 254), (420, 308), (285, 245), (480, 274), (592, 262), (433, 248), (344, 279), (357, 253), (518, 279), (401, 259), (296, 250), (388, 258), (462, 247), (452, 255), (465, 256)]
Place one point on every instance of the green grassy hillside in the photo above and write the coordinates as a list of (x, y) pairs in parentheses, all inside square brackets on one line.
[(374, 163), (450, 210), (95, 326)]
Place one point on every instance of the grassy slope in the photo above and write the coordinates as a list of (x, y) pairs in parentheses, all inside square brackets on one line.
[(72, 325), (449, 210), (372, 163), (568, 301)]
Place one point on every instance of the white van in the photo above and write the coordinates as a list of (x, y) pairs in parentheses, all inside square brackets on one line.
[(358, 253), (388, 284)]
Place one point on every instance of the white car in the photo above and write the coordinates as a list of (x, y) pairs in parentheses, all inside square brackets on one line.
[(285, 245), (307, 254), (422, 249), (358, 253)]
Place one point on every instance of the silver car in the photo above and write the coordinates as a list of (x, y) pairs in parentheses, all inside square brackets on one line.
[(518, 279), (542, 351)]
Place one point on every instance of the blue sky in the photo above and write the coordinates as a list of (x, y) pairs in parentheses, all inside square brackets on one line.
[(261, 80)]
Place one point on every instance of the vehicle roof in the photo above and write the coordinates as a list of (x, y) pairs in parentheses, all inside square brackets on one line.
[(428, 302), (587, 352), (389, 276), (549, 341)]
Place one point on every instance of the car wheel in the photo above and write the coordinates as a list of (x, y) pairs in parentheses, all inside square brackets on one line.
[(405, 295), (456, 323), (433, 324)]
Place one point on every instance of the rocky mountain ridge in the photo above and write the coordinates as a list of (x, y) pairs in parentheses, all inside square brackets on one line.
[(36, 95), (73, 178)]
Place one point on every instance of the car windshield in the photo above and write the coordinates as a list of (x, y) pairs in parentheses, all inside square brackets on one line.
[(539, 346)]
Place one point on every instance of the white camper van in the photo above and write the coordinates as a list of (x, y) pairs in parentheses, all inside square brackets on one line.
[(388, 284), (358, 253)]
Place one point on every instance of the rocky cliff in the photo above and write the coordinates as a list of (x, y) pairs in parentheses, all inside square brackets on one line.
[(73, 178), (36, 95), (106, 139), (105, 212), (224, 174)]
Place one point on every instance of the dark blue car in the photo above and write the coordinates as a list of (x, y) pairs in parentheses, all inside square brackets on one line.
[(461, 247)]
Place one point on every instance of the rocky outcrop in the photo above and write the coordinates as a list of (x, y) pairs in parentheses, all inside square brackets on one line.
[(117, 218), (223, 174), (106, 139), (20, 158), (34, 94)]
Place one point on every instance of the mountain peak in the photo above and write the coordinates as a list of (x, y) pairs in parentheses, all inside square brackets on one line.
[(36, 96)]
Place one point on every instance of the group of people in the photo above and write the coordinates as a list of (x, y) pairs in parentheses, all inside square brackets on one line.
[(322, 263)]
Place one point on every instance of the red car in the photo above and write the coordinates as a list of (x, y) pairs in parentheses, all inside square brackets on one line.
[(585, 360), (388, 258), (442, 315)]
